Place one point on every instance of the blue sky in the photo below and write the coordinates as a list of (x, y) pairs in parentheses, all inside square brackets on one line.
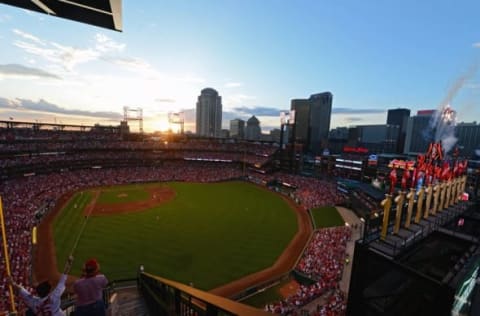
[(372, 55)]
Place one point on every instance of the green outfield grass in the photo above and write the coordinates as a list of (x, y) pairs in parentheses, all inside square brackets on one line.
[(327, 216), (209, 234)]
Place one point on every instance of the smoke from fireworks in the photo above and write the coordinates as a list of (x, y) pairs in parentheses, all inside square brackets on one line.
[(459, 83), (444, 119), (445, 128)]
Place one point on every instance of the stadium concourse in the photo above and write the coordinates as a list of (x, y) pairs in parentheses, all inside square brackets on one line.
[(38, 169)]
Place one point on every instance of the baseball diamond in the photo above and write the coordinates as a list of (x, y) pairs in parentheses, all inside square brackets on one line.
[(205, 234)]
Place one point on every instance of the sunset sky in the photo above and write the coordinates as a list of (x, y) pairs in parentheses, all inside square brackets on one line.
[(372, 55)]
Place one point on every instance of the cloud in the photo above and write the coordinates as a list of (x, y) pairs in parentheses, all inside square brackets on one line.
[(128, 62), (341, 110), (353, 119), (28, 36), (45, 106), (66, 56), (28, 12), (233, 84), (164, 100), (476, 45), (257, 111), (105, 44), (71, 56), (16, 70), (238, 99), (5, 18)]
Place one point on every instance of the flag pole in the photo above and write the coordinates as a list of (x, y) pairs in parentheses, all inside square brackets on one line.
[(7, 260)]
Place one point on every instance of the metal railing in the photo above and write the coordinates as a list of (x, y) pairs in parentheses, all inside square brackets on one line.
[(166, 297)]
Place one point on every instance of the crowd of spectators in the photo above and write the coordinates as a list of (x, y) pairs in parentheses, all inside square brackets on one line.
[(309, 192), (322, 261), (19, 133), (335, 305), (94, 143), (313, 192), (54, 158), (324, 256), (33, 156)]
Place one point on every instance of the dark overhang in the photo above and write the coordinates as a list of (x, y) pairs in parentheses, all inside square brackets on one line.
[(102, 13)]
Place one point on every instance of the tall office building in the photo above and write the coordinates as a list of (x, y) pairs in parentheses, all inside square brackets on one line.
[(312, 121), (237, 128), (337, 139), (378, 138), (253, 130), (302, 120), (399, 117), (418, 133), (468, 135), (209, 113), (275, 135)]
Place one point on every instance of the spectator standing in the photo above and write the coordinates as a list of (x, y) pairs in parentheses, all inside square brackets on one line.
[(89, 291), (46, 303)]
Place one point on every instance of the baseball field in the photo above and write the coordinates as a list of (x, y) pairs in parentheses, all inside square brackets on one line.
[(205, 234)]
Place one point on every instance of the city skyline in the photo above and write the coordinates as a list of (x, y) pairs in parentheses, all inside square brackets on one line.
[(371, 56)]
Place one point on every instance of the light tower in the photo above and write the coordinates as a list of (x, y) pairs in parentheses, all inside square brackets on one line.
[(134, 114), (177, 119)]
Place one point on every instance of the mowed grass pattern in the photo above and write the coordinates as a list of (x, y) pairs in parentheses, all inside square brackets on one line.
[(209, 234)]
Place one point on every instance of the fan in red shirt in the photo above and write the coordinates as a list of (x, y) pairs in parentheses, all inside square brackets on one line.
[(89, 291)]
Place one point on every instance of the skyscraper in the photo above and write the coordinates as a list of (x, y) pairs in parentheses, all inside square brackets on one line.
[(399, 117), (468, 135), (381, 138), (237, 128), (253, 130), (209, 113), (302, 120), (418, 133), (312, 121), (320, 115)]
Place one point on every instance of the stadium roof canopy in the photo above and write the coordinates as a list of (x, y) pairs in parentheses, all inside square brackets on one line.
[(102, 13)]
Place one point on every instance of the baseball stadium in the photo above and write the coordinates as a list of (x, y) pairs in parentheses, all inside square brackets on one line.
[(199, 212), (204, 226), (208, 224)]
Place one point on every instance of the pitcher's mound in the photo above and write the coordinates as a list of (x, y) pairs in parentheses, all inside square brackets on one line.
[(157, 196)]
